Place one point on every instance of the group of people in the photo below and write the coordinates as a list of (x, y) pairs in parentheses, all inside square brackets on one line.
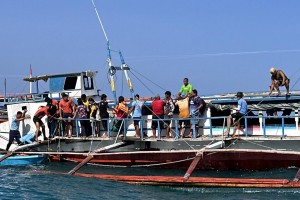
[(189, 103), (65, 111)]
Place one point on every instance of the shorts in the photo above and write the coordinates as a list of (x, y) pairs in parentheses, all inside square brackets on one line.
[(36, 119), (155, 121), (136, 121), (194, 121), (104, 122), (184, 123), (167, 122), (237, 116), (68, 115)]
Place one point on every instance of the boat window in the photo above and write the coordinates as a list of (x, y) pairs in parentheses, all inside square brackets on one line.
[(88, 83), (56, 84), (70, 83)]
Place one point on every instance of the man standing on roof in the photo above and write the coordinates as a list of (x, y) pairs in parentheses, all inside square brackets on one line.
[(241, 111), (186, 88), (279, 78)]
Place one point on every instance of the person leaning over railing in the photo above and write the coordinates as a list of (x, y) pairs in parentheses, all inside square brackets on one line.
[(37, 119)]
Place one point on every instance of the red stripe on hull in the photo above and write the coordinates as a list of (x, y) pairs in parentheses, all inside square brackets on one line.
[(222, 160)]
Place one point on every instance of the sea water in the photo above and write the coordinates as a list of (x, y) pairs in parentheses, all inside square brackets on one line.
[(48, 181)]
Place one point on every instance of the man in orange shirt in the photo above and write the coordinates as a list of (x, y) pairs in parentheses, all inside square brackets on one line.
[(67, 110), (37, 119)]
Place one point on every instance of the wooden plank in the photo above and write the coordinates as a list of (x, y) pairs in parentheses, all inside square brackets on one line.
[(91, 156)]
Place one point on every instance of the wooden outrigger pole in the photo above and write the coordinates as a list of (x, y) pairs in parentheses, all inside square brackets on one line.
[(198, 181), (91, 155)]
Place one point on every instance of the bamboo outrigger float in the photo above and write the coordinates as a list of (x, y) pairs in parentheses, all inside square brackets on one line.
[(197, 181)]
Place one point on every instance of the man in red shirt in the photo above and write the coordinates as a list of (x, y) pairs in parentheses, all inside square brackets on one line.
[(157, 114), (67, 110), (37, 119)]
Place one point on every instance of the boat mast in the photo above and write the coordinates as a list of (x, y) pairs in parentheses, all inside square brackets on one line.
[(109, 63), (124, 68)]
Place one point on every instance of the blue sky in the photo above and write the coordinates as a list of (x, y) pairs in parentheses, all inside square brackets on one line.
[(222, 46)]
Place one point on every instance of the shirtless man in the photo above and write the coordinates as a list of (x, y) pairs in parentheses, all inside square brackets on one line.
[(279, 78)]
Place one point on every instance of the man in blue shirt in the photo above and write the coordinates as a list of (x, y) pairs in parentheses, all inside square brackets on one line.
[(241, 112), (29, 138), (14, 132), (137, 113)]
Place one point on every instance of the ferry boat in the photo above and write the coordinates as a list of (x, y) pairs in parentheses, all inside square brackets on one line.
[(263, 141)]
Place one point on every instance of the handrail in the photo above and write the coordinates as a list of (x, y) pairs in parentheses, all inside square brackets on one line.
[(175, 126)]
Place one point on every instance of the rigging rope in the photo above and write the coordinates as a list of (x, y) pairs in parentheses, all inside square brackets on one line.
[(149, 79), (143, 84)]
